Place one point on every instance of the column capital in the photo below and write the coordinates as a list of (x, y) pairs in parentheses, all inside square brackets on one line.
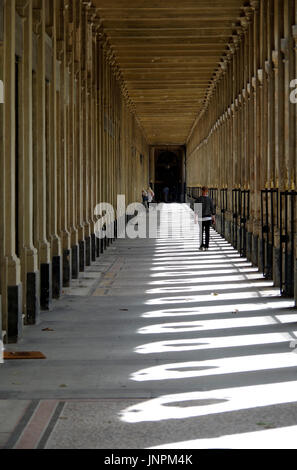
[(285, 48), (275, 57), (268, 68), (255, 4), (21, 6), (87, 4), (60, 49), (260, 76), (248, 90), (232, 49), (294, 32), (236, 41), (254, 82), (245, 21), (37, 20)]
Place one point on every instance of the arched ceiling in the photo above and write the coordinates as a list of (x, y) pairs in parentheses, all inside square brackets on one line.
[(167, 51)]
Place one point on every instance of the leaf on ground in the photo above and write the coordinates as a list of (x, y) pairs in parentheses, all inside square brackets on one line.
[(214, 293), (48, 329), (62, 386)]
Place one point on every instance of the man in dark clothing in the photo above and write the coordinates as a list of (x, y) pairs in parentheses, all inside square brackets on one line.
[(208, 216)]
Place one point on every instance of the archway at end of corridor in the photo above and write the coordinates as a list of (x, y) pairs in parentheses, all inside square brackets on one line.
[(169, 175)]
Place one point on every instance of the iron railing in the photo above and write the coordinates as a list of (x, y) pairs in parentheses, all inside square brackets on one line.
[(269, 221), (287, 241), (224, 208)]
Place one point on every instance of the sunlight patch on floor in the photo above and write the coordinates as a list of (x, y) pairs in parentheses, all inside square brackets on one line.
[(193, 344), (225, 400), (280, 438), (220, 324), (226, 308)]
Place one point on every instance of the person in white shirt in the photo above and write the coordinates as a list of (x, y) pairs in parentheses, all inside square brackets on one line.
[(150, 195)]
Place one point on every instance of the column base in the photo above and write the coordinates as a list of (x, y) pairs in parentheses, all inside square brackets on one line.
[(32, 299), (255, 249), (15, 314), (238, 238), (97, 247), (75, 262), (57, 277), (268, 260), (88, 251), (219, 227), (66, 270), (249, 249), (228, 231), (260, 255), (115, 230), (45, 286), (276, 266), (295, 283), (82, 256), (93, 247), (288, 288)]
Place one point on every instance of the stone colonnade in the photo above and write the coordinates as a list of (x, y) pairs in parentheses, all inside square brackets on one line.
[(243, 144), (69, 140)]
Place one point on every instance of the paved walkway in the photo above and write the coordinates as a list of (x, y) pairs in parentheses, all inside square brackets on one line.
[(158, 345)]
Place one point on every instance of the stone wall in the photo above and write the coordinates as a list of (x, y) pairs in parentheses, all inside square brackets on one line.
[(69, 140)]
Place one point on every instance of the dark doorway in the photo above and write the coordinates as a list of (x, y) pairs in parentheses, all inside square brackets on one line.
[(168, 175)]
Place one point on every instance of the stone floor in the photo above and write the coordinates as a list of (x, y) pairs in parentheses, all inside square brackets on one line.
[(158, 345)]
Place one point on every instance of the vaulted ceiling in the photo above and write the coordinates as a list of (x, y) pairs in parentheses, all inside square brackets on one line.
[(168, 51)]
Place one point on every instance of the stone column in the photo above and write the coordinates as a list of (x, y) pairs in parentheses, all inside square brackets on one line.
[(72, 130), (96, 128), (83, 243), (100, 126), (78, 250), (29, 259), (40, 125), (62, 12), (2, 191), (92, 148), (287, 46), (255, 185), (279, 125), (287, 49), (10, 265), (53, 161), (294, 33)]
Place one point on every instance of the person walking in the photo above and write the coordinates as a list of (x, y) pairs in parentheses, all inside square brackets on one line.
[(166, 193), (208, 217), (145, 198)]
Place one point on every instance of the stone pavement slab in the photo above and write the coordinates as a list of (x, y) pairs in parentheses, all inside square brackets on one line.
[(166, 346)]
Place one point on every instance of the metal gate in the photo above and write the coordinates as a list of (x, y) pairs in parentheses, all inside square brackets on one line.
[(269, 221), (236, 197), (213, 194), (224, 208), (244, 215), (287, 242)]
